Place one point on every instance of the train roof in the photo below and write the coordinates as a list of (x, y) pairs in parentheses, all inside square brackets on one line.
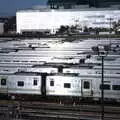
[(22, 73), (87, 76)]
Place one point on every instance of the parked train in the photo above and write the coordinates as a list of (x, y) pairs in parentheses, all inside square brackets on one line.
[(60, 86), (82, 70)]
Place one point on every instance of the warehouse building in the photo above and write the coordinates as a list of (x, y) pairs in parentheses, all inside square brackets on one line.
[(50, 20)]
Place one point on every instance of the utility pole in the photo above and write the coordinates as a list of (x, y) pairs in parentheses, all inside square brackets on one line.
[(102, 51), (110, 29), (102, 90)]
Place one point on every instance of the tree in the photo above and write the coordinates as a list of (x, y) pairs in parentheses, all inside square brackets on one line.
[(63, 29), (116, 26), (85, 29)]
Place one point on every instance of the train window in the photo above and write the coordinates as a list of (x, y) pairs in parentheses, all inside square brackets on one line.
[(20, 83), (35, 82), (105, 87), (24, 61), (6, 60), (52, 83), (86, 85), (116, 87), (3, 81), (34, 61), (67, 85), (15, 60)]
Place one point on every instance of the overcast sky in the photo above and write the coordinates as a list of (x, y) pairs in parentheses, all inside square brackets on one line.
[(9, 7)]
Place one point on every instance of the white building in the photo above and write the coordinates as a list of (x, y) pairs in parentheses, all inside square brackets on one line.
[(30, 20), (1, 28)]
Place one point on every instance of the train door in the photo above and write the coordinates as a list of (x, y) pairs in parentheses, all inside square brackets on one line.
[(43, 84), (86, 88), (3, 85)]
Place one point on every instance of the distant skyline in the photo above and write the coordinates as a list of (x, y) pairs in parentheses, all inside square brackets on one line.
[(9, 7)]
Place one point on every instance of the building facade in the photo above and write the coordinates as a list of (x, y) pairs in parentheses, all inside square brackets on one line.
[(40, 20)]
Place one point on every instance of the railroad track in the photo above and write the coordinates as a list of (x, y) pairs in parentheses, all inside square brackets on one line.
[(46, 111)]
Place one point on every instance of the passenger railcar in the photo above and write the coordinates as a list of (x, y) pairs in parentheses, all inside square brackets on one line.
[(83, 86), (43, 69), (85, 71), (20, 84), (39, 68)]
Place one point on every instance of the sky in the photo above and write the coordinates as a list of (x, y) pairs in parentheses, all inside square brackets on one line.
[(9, 7)]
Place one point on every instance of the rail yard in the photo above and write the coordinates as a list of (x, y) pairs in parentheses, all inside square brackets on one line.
[(54, 78), (41, 110)]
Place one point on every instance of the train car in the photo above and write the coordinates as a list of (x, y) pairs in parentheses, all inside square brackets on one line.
[(36, 68), (85, 71), (83, 87), (43, 69), (8, 70), (20, 85)]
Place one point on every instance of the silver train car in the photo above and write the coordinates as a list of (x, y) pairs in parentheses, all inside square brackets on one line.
[(60, 86), (89, 71), (84, 86), (41, 69), (19, 84)]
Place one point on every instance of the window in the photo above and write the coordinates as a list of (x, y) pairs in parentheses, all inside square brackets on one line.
[(15, 60), (20, 83), (6, 60), (105, 87), (52, 83), (67, 85), (116, 87), (86, 85), (3, 81), (35, 82)]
